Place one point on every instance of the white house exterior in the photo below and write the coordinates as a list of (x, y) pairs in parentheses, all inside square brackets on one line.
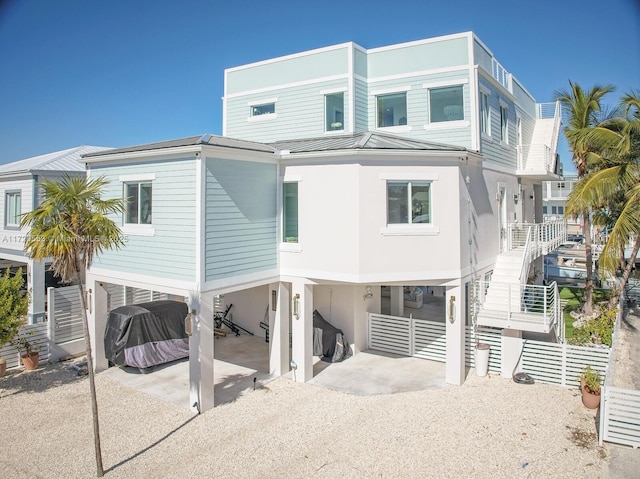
[(360, 175), (20, 194)]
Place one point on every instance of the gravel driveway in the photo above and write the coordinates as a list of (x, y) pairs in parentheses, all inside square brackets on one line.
[(489, 427)]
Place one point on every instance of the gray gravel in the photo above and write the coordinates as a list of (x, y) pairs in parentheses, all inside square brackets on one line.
[(489, 427)]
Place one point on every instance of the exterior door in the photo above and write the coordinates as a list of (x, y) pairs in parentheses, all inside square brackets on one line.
[(502, 214)]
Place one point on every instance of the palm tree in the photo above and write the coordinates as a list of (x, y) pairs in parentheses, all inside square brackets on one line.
[(582, 108), (71, 226), (618, 141)]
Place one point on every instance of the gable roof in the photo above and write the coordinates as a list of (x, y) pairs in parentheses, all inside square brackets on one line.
[(366, 140), (58, 161)]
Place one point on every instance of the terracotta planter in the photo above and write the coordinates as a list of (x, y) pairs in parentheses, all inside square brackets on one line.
[(30, 361), (590, 400)]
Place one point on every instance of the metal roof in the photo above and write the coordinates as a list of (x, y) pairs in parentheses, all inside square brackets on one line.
[(212, 140), (366, 140), (63, 160)]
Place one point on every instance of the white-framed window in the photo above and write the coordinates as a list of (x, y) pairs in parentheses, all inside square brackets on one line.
[(446, 104), (263, 109), (334, 111), (544, 210), (408, 202), (391, 109), (12, 209), (138, 202), (485, 114), (504, 124), (290, 212)]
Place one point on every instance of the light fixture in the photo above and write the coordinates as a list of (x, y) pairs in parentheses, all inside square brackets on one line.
[(515, 198), (188, 323), (274, 300), (296, 306), (452, 309), (368, 294)]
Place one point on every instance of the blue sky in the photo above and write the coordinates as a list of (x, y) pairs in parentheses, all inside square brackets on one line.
[(123, 72)]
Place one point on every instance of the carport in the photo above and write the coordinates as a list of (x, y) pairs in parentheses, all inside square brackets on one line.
[(238, 360)]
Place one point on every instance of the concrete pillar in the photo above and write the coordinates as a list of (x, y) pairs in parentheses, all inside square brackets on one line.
[(97, 315), (302, 331), (201, 354), (397, 300), (35, 286), (279, 328), (455, 331), (511, 348)]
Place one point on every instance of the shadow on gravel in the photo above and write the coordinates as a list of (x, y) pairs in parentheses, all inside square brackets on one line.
[(47, 376), (151, 446)]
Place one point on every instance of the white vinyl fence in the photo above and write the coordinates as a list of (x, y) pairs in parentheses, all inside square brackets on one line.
[(619, 407), (407, 336), (66, 333), (552, 363), (36, 334)]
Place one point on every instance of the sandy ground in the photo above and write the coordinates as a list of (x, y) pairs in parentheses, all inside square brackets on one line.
[(488, 428)]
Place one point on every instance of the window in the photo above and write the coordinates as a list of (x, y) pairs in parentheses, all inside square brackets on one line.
[(290, 212), (138, 203), (485, 114), (408, 202), (392, 109), (334, 111), (13, 208), (554, 210), (445, 104), (264, 109), (544, 210), (504, 124), (560, 210)]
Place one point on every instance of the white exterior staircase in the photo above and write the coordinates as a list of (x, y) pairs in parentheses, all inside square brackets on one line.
[(507, 300)]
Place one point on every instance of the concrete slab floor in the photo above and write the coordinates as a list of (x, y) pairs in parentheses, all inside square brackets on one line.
[(240, 359), (374, 372)]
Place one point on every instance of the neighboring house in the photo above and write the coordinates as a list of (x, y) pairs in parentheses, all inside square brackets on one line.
[(365, 180), (20, 194), (555, 195)]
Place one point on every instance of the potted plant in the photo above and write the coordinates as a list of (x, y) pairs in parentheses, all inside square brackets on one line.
[(29, 351), (13, 309), (590, 387)]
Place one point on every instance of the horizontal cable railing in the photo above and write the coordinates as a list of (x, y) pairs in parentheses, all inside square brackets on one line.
[(518, 303)]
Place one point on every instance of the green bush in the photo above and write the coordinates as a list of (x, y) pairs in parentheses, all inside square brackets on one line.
[(600, 328), (14, 304)]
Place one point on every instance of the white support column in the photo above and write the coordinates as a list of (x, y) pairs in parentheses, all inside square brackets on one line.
[(35, 286), (97, 316), (201, 354), (511, 347), (279, 329), (302, 331), (455, 330), (397, 300)]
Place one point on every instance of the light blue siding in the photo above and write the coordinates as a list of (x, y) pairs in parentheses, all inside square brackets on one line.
[(359, 63), (171, 252), (492, 148), (427, 56), (299, 110), (418, 108), (482, 57), (362, 112), (524, 100), (240, 218), (292, 70)]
